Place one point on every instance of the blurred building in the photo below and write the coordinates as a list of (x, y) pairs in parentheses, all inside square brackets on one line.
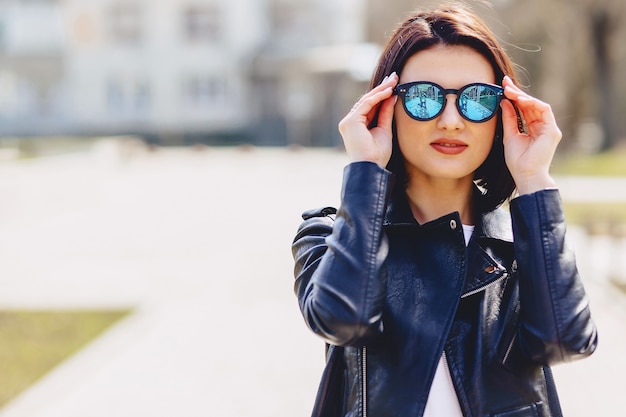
[(182, 71), (31, 65), (164, 69), (270, 72), (313, 65)]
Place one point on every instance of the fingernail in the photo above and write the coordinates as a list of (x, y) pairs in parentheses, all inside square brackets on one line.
[(384, 79)]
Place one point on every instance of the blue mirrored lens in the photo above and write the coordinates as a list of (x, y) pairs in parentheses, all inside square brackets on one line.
[(424, 101), (478, 102)]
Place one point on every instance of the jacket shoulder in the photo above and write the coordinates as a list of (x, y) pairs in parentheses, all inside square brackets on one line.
[(316, 222), (497, 225), (319, 212)]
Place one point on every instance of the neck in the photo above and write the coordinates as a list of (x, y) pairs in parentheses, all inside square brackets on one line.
[(431, 198)]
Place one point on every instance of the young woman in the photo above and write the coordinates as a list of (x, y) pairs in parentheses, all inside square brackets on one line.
[(433, 300)]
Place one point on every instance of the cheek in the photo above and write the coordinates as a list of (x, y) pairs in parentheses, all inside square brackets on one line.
[(398, 113), (400, 122), (405, 126), (488, 132)]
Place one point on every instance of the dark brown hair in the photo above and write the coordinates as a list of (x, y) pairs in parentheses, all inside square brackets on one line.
[(452, 24)]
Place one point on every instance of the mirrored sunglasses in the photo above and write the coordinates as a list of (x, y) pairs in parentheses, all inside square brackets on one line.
[(425, 100)]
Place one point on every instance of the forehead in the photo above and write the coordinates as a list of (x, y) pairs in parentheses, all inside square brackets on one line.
[(451, 66)]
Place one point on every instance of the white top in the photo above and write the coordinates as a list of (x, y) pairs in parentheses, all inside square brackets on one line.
[(442, 399), (467, 232)]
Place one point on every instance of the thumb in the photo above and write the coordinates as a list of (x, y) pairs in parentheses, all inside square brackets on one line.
[(509, 119), (385, 115)]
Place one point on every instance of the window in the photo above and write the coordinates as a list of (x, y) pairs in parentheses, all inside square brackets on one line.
[(291, 19), (125, 23), (128, 96), (201, 92), (115, 95), (2, 33), (202, 23)]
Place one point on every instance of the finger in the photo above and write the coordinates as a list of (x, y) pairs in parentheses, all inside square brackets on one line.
[(522, 98), (508, 82), (364, 111), (370, 101), (509, 119), (535, 110), (513, 92), (385, 115), (389, 81)]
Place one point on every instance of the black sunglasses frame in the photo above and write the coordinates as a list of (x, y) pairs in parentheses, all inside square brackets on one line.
[(402, 89)]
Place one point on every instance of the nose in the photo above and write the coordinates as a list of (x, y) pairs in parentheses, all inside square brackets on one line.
[(450, 119)]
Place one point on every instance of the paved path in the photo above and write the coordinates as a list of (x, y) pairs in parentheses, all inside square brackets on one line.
[(197, 242)]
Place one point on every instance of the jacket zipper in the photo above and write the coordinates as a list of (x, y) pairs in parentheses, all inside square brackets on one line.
[(364, 376), (451, 381), (484, 287), (509, 348), (448, 373)]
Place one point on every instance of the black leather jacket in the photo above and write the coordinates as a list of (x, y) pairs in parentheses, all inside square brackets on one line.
[(396, 294)]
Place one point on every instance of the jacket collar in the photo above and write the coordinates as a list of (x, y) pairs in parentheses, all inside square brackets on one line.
[(398, 211), (495, 224), (489, 251)]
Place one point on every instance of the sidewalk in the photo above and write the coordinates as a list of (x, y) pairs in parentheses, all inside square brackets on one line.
[(197, 242)]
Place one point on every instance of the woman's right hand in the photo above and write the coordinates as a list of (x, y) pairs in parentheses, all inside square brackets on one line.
[(361, 142)]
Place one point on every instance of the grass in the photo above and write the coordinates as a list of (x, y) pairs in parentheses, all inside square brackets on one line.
[(611, 163), (34, 342), (34, 147), (598, 217)]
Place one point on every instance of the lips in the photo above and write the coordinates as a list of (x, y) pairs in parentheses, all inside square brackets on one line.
[(449, 146)]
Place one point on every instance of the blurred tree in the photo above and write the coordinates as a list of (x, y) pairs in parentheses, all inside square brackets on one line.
[(604, 23), (569, 53), (383, 16)]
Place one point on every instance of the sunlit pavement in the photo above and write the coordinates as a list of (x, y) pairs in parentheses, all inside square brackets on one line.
[(197, 241)]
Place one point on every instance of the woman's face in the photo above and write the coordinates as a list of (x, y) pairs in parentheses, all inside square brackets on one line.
[(449, 146)]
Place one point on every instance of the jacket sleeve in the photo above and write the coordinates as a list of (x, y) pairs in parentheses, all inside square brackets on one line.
[(339, 265), (555, 320)]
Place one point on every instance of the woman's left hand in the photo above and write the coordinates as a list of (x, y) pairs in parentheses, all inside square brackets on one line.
[(528, 155)]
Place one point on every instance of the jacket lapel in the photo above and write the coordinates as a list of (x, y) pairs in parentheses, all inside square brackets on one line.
[(490, 251)]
